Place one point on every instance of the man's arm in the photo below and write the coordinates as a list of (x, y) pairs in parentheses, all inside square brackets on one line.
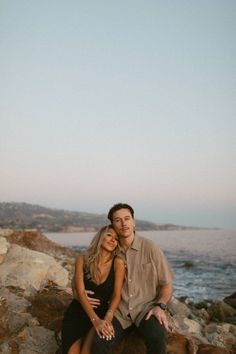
[(165, 293), (95, 303), (164, 297)]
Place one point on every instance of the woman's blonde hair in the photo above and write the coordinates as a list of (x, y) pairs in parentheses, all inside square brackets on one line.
[(92, 254)]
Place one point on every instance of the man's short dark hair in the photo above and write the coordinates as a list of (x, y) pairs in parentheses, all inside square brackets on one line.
[(119, 206)]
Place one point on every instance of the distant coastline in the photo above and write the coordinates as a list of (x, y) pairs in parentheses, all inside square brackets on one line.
[(26, 216)]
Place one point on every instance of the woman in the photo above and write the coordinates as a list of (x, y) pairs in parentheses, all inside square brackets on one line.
[(98, 270)]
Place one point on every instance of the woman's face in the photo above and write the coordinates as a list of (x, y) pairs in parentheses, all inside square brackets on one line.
[(109, 240)]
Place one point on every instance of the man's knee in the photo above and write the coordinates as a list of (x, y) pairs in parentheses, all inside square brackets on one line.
[(153, 332)]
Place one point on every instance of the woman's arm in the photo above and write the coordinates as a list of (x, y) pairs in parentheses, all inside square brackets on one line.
[(119, 268), (80, 288), (99, 324)]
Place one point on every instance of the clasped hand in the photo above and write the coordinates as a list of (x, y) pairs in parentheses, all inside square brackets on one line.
[(104, 329)]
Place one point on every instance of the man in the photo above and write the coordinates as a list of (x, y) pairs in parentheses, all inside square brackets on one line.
[(146, 291)]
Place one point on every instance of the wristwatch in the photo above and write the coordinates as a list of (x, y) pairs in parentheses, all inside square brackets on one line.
[(161, 305)]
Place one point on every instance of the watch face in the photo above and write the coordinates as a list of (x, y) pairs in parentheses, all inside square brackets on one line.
[(161, 305)]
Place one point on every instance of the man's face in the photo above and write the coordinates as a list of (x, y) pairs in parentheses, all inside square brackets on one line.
[(123, 223)]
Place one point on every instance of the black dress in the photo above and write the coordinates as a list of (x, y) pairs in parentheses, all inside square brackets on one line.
[(76, 322)]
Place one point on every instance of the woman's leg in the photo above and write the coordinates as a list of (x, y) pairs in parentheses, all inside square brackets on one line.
[(75, 348), (75, 326), (88, 341)]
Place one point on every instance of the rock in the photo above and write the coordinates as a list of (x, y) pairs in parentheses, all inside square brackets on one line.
[(231, 300), (36, 241), (48, 306), (4, 246), (211, 349), (221, 335), (193, 327), (220, 311), (205, 304), (187, 265), (13, 313), (30, 270), (35, 340), (178, 343), (5, 232), (177, 307)]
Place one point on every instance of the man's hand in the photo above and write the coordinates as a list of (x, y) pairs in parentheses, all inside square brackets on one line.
[(160, 315), (95, 303)]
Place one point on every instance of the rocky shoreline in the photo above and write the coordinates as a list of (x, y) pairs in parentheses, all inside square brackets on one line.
[(35, 278)]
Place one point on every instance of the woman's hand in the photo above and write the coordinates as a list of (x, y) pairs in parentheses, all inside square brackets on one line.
[(104, 329)]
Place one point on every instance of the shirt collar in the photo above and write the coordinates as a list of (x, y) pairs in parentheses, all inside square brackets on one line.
[(136, 243)]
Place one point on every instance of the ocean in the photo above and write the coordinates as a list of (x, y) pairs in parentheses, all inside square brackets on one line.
[(204, 261)]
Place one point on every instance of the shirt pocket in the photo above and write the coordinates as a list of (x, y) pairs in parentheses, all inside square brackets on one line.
[(146, 274), (144, 268)]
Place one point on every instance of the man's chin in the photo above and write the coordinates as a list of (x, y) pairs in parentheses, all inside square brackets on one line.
[(125, 234)]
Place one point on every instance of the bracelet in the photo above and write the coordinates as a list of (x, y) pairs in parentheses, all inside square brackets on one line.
[(93, 319)]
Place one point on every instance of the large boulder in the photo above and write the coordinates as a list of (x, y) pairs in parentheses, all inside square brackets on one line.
[(34, 340), (30, 270), (49, 305), (222, 335), (36, 241), (221, 311)]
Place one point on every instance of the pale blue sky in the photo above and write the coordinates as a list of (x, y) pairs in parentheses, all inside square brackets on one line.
[(131, 101)]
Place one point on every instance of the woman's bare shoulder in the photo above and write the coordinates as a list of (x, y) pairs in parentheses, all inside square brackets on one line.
[(119, 261)]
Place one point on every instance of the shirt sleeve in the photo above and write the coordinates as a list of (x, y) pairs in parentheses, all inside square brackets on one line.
[(164, 271)]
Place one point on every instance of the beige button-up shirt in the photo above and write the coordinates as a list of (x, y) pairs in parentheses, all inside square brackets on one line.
[(146, 270)]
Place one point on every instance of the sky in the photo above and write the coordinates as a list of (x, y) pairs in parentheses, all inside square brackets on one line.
[(120, 101)]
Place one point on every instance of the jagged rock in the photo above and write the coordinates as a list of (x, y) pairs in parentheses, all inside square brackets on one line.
[(220, 311), (221, 335), (193, 327), (35, 340), (30, 270), (177, 307), (49, 306), (231, 300), (13, 313), (36, 241)]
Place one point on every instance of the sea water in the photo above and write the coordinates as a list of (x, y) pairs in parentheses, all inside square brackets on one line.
[(204, 261)]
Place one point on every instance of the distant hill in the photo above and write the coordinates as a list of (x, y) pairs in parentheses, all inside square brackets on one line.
[(27, 216)]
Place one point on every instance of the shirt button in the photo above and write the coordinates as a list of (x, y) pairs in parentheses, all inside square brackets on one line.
[(130, 308), (129, 280), (131, 295)]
